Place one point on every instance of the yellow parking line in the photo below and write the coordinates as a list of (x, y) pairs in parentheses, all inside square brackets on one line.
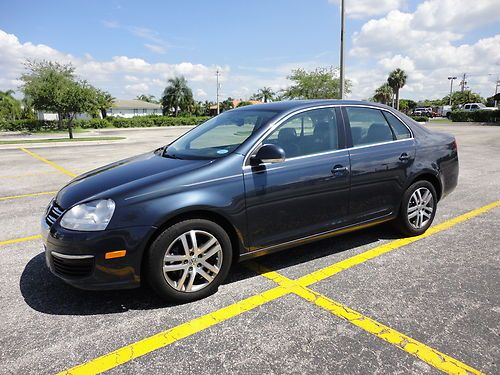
[(162, 339), (23, 239), (427, 354), (71, 174), (326, 272), (28, 195)]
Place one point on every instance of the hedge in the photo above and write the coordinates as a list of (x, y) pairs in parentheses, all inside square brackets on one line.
[(476, 116), (108, 122), (420, 118)]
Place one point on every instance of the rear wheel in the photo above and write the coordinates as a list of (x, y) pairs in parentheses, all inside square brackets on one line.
[(189, 260), (418, 208)]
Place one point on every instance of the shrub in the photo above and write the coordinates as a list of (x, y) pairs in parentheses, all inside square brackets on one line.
[(27, 125), (420, 118), (108, 122), (476, 116)]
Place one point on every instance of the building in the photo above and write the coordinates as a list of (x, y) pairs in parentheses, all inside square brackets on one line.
[(133, 108)]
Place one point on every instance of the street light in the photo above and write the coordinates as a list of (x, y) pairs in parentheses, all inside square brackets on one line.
[(451, 85), (217, 73)]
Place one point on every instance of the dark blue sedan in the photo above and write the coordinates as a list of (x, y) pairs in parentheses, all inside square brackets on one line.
[(248, 182)]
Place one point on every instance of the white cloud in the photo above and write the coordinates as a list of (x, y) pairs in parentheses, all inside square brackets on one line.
[(200, 93), (156, 48), (123, 76), (428, 45), (368, 8), (457, 15)]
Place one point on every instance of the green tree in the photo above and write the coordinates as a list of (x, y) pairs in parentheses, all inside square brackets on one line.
[(460, 98), (383, 94), (10, 107), (397, 79), (321, 83), (103, 101), (243, 104), (407, 105), (147, 98), (53, 87), (226, 104), (177, 96), (265, 94)]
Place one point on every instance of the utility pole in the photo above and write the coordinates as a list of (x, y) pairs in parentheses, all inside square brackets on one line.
[(496, 91), (451, 86), (342, 24), (463, 82), (217, 73)]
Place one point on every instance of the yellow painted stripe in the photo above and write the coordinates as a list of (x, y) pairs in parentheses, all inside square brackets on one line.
[(23, 239), (329, 271), (427, 354), (162, 339), (28, 195), (65, 171)]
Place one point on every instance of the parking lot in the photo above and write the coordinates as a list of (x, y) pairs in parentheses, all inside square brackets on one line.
[(361, 303)]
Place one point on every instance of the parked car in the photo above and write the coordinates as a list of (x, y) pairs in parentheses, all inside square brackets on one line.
[(444, 111), (248, 182), (423, 111), (469, 107)]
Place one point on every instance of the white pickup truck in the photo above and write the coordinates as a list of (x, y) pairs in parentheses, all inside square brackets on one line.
[(469, 107)]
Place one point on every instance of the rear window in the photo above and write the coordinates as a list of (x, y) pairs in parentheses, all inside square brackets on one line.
[(399, 129)]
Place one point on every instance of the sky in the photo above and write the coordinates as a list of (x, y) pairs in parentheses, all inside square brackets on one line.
[(133, 47)]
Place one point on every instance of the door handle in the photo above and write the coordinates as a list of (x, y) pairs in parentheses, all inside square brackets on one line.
[(404, 157), (340, 170)]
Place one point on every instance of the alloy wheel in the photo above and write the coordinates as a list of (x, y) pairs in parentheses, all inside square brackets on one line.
[(420, 208), (192, 261)]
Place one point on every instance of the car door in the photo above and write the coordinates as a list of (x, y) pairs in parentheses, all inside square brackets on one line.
[(306, 194), (381, 154)]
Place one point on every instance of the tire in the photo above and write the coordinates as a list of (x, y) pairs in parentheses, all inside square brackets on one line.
[(172, 260), (416, 216)]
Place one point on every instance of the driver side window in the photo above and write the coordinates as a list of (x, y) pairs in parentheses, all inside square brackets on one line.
[(307, 133)]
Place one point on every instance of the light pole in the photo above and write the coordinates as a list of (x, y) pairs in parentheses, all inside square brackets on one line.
[(217, 73), (342, 24), (451, 85)]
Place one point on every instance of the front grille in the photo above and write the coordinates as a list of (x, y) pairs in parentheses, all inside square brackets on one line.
[(78, 266), (54, 212)]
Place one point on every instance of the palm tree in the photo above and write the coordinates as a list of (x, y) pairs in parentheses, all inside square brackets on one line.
[(397, 79), (147, 98), (104, 101), (266, 94), (10, 107), (177, 95), (383, 94)]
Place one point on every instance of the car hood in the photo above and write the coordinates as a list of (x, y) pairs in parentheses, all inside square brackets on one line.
[(133, 172)]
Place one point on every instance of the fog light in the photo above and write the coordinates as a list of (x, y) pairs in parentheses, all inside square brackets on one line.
[(115, 254)]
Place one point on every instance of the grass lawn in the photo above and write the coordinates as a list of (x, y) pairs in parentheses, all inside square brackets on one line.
[(50, 140)]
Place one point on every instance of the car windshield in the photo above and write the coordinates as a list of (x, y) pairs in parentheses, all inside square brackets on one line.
[(220, 135)]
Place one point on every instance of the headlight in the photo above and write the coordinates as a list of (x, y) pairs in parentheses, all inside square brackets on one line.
[(89, 216)]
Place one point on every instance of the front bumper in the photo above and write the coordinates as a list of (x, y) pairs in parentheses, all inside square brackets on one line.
[(78, 257)]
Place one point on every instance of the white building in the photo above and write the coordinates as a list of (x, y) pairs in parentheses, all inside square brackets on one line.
[(132, 108)]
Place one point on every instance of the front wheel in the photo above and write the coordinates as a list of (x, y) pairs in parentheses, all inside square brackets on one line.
[(418, 208), (189, 260)]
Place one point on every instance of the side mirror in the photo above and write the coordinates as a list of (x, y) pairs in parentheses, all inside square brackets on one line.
[(268, 153)]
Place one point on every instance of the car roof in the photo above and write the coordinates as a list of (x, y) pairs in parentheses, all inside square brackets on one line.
[(293, 105)]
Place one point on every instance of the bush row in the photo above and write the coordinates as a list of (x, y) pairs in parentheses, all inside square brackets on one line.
[(109, 122), (420, 118), (476, 116)]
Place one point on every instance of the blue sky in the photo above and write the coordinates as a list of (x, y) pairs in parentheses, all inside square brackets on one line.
[(131, 47)]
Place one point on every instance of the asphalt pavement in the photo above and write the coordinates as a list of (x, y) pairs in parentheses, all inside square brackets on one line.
[(392, 306)]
